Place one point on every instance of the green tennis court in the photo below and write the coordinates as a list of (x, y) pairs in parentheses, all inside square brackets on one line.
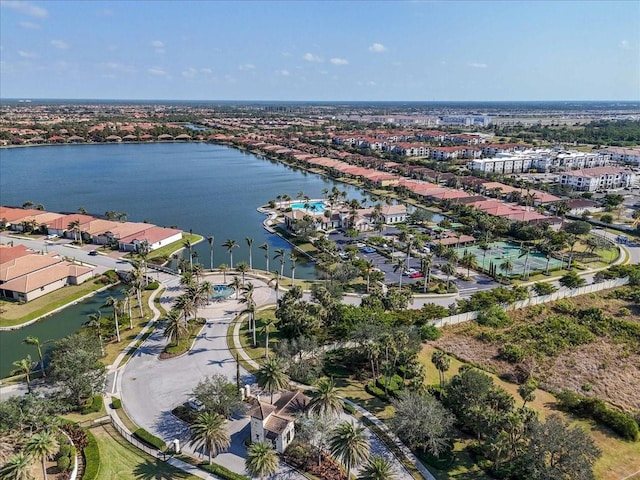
[(499, 252)]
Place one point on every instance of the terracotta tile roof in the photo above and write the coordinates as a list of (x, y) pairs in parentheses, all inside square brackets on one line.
[(16, 215), (8, 254), (25, 264)]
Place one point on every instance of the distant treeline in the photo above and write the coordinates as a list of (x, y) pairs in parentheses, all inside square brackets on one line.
[(602, 132)]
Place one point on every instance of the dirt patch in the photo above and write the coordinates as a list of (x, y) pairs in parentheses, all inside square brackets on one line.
[(604, 369)]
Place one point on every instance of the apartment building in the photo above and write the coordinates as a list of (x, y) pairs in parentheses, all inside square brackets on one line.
[(622, 155), (599, 178)]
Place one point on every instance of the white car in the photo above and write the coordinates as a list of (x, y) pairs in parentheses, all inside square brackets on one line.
[(195, 404)]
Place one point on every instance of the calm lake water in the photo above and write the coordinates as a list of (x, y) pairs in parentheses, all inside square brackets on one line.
[(209, 189)]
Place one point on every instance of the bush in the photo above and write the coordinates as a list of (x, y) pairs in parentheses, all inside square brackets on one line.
[(91, 456), (150, 439), (152, 286), (372, 389), (429, 332), (94, 405), (116, 403), (64, 463), (222, 472), (564, 306), (350, 409), (493, 316), (511, 353)]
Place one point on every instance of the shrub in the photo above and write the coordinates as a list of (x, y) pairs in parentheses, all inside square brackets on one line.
[(493, 316), (564, 306), (91, 456), (350, 409), (64, 463), (222, 472), (152, 286), (511, 353), (372, 389), (429, 332), (150, 439), (94, 405), (116, 403)]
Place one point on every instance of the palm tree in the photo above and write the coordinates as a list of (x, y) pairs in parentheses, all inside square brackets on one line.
[(236, 283), (368, 267), (448, 269), (400, 266), (223, 268), (42, 446), (325, 400), (279, 254), (425, 268), (349, 444), (210, 432), (267, 323), (189, 246), (265, 247), (442, 362), (17, 467), (469, 260), (230, 245), (377, 468), (36, 342), (94, 322), (74, 226), (275, 281), (261, 461), (211, 239), (185, 304), (292, 259), (24, 367), (242, 268), (249, 241), (272, 377), (506, 266), (175, 329), (115, 304)]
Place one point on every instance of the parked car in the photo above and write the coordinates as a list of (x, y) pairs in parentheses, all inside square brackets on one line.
[(195, 404), (416, 275), (368, 250), (93, 253), (409, 272)]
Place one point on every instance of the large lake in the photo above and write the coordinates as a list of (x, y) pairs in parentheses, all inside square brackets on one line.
[(210, 189)]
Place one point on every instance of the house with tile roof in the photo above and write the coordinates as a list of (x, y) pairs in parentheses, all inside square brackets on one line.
[(274, 422)]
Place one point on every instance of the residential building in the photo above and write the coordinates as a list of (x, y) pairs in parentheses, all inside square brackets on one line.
[(599, 178), (622, 155)]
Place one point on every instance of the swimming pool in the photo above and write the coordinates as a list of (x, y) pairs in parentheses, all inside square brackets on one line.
[(314, 207), (220, 292)]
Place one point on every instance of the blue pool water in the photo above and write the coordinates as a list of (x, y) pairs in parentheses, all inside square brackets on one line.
[(314, 207), (221, 292)]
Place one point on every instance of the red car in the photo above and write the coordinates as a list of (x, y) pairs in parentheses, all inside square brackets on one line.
[(416, 275)]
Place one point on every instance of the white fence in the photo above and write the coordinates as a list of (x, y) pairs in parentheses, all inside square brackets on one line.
[(564, 293)]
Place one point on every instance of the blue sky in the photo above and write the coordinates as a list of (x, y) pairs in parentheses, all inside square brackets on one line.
[(324, 50)]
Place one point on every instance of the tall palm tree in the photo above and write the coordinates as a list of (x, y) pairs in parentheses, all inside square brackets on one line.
[(399, 266), (36, 342), (368, 267), (211, 239), (74, 226), (448, 269), (242, 268), (377, 468), (24, 366), (442, 362), (261, 461), (115, 304), (95, 323), (267, 323), (210, 432), (272, 377), (230, 245), (175, 328), (468, 260), (189, 246), (42, 446), (185, 304), (280, 255), (17, 467), (275, 281), (236, 283), (249, 241), (292, 259), (349, 444), (425, 268), (265, 247), (223, 268), (325, 400)]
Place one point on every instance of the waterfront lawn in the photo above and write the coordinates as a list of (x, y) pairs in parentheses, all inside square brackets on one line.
[(118, 459), (165, 252), (13, 313)]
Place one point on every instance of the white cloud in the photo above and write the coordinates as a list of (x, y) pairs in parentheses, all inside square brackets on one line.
[(625, 45), (157, 71), (477, 65), (339, 61), (206, 71), (60, 44), (25, 54), (246, 67), (116, 67), (284, 73), (29, 25), (310, 57), (377, 48), (158, 45), (25, 8), (189, 73)]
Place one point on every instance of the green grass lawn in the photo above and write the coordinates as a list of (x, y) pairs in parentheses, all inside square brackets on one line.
[(246, 337), (120, 460)]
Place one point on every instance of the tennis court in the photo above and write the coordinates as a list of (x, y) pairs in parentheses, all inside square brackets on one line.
[(498, 252)]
